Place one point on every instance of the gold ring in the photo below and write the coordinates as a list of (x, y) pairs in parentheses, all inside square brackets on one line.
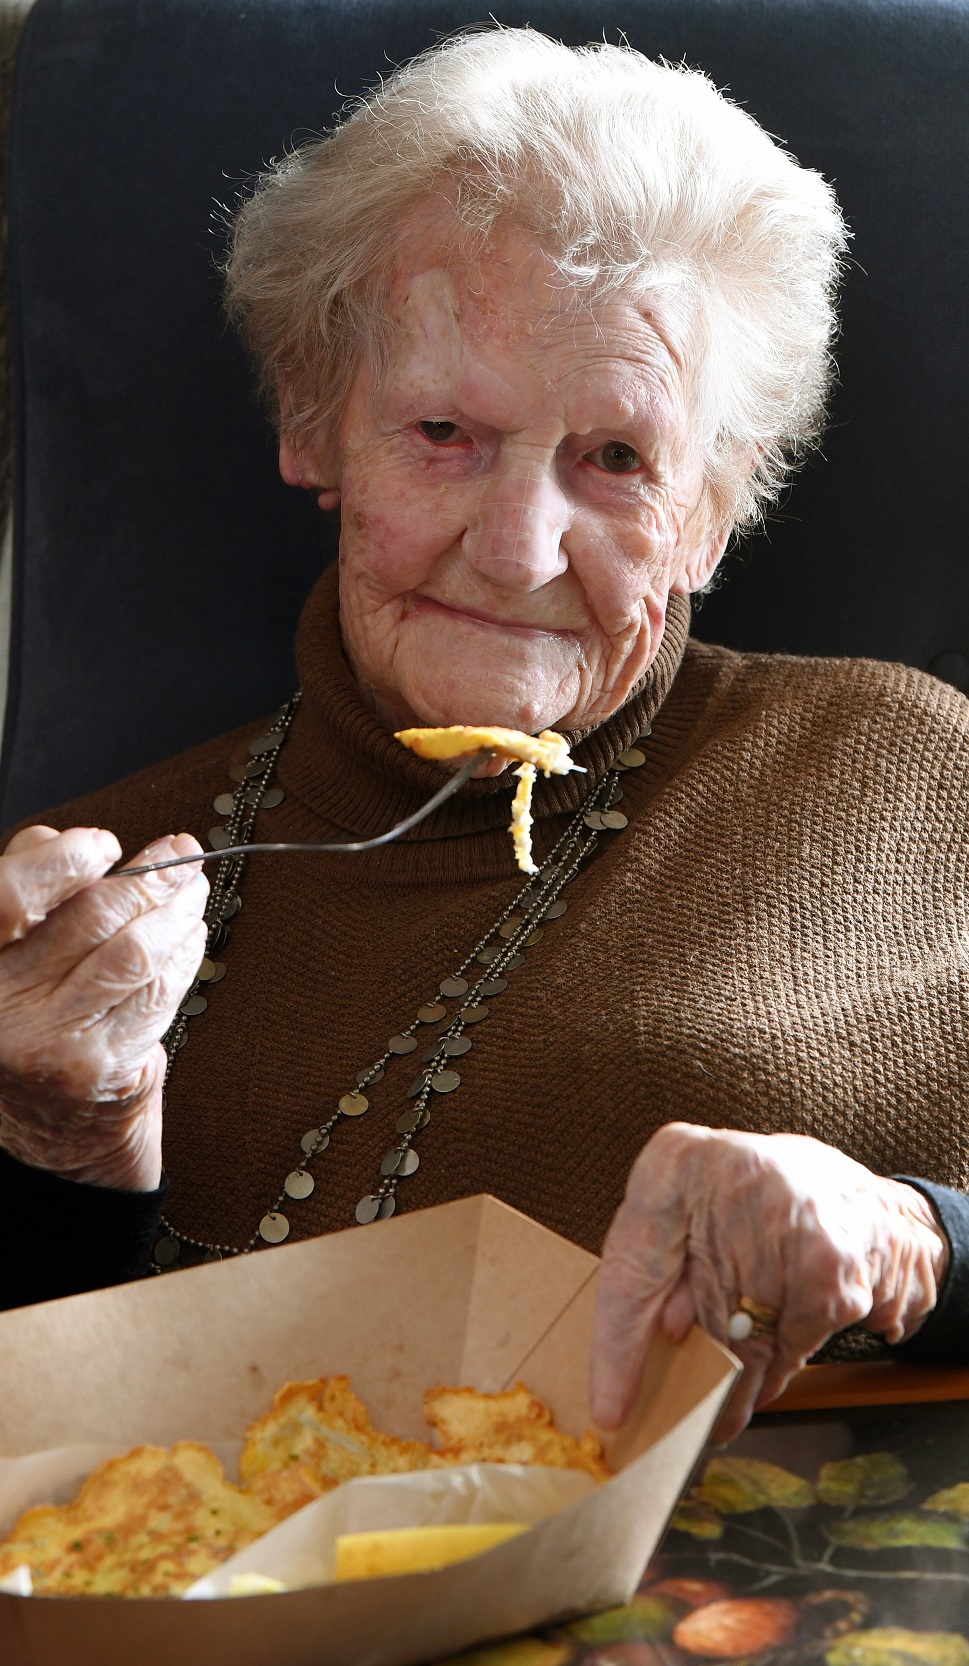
[(751, 1319)]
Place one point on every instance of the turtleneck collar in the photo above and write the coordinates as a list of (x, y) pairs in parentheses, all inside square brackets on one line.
[(349, 770)]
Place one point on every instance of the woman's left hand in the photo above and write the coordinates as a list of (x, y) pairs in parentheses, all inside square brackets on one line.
[(711, 1215)]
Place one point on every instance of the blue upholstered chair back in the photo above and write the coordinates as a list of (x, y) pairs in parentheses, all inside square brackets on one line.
[(159, 562)]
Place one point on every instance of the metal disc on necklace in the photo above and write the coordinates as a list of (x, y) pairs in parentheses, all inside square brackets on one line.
[(534, 937), (193, 1005), (166, 1252), (224, 804), (614, 819), (431, 1014), (367, 1210), (631, 759), (432, 1053), (474, 1015), (218, 936), (265, 743), (456, 1045), (486, 956), (258, 766), (212, 1255), (445, 1081), (298, 1184), (230, 906), (510, 964), (274, 1227), (370, 1078), (274, 796), (418, 1084), (409, 1164), (492, 986), (454, 986), (314, 1140), (219, 839), (402, 1044), (646, 732), (239, 772), (210, 971), (413, 1119), (387, 1207), (555, 910), (617, 794), (593, 819), (354, 1104), (391, 1163), (510, 926)]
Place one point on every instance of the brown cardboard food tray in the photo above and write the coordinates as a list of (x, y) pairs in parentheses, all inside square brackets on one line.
[(471, 1292)]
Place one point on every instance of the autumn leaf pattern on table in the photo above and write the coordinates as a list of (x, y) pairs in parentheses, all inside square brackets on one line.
[(858, 1560)]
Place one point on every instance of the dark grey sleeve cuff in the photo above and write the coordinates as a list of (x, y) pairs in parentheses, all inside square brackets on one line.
[(60, 1238), (943, 1339)]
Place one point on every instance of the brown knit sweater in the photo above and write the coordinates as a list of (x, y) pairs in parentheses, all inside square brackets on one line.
[(779, 940)]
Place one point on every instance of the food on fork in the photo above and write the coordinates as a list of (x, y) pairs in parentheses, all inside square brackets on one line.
[(548, 752), (521, 819)]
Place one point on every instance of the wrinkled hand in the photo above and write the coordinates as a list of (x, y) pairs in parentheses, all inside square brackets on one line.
[(91, 974), (711, 1215)]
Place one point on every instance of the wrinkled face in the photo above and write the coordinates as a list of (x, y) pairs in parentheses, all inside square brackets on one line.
[(519, 495)]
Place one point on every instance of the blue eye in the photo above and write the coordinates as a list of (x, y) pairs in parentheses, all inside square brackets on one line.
[(438, 432)]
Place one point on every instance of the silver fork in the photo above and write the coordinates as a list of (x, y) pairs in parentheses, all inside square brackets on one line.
[(447, 791)]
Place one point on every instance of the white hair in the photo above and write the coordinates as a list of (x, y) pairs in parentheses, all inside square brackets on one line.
[(630, 174)]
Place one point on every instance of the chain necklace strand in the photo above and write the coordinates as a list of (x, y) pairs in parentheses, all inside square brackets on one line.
[(499, 952)]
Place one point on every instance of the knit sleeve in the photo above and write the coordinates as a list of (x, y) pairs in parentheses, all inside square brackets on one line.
[(62, 1238), (943, 1339)]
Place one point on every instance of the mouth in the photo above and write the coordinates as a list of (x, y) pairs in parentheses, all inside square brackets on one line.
[(486, 622)]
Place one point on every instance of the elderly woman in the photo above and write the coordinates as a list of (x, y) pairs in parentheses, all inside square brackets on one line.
[(547, 326)]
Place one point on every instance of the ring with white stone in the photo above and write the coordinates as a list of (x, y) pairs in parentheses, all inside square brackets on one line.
[(751, 1319)]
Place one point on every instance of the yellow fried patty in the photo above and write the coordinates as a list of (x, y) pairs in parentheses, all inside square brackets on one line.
[(147, 1524), (548, 751), (324, 1429), (514, 1427)]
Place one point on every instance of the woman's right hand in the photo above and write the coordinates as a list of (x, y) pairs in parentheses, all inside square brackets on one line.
[(91, 974)]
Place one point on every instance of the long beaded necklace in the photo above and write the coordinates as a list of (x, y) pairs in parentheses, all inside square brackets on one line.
[(499, 952)]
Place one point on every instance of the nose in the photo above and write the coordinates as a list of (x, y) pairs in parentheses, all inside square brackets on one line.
[(515, 536)]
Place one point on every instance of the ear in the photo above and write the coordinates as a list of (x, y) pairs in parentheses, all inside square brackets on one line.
[(300, 463), (701, 564), (704, 543), (300, 467)]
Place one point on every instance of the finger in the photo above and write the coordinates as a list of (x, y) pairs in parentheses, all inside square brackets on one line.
[(85, 1053), (150, 1010), (176, 844), (29, 837), (624, 1324), (756, 1357), (679, 1313), (134, 956), (94, 916), (642, 1263), (48, 872)]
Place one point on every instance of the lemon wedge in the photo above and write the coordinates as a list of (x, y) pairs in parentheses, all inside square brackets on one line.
[(416, 1549)]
